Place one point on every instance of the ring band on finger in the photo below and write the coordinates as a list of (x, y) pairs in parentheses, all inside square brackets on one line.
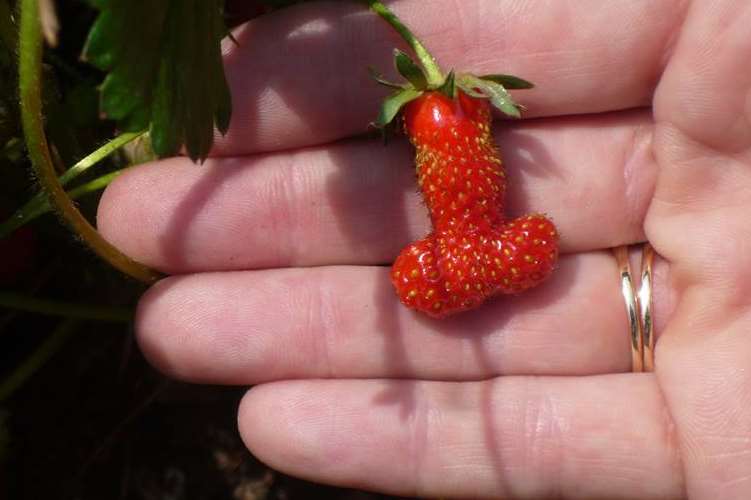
[(632, 308), (638, 307), (644, 302)]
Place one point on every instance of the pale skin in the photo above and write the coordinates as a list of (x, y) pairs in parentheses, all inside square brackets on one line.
[(641, 131)]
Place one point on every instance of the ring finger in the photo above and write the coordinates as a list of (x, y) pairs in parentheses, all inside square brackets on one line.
[(345, 322)]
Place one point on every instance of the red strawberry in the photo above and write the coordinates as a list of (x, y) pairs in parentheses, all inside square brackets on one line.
[(473, 252)]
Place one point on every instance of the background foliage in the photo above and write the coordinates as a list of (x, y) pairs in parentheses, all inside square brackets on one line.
[(81, 413)]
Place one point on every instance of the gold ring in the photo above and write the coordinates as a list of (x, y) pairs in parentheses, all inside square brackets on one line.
[(632, 308), (645, 307)]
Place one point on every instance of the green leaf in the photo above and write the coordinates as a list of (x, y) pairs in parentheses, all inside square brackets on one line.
[(473, 92), (449, 86), (379, 78), (498, 95), (165, 70), (509, 81), (410, 70), (393, 103)]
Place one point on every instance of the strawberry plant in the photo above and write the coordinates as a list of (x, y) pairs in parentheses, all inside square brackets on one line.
[(169, 78), (52, 296), (160, 82)]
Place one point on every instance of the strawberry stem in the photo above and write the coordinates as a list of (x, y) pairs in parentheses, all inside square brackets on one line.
[(30, 96), (432, 70), (38, 204)]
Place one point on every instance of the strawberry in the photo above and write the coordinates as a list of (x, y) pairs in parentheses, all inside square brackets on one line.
[(473, 252)]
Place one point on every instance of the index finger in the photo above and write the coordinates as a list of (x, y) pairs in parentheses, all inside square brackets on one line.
[(299, 77)]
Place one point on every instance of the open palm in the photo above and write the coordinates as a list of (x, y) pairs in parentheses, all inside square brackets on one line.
[(639, 129)]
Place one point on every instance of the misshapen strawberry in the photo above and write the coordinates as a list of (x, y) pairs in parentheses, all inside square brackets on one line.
[(473, 252)]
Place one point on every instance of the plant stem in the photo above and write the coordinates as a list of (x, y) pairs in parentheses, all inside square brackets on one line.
[(100, 182), (29, 69), (432, 70), (11, 300), (35, 210), (98, 155), (38, 204), (38, 358)]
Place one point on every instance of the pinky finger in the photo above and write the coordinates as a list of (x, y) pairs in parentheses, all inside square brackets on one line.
[(512, 437)]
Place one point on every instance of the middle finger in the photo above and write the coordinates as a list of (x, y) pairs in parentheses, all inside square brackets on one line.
[(356, 202)]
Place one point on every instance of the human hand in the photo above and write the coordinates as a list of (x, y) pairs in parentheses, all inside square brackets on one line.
[(642, 132)]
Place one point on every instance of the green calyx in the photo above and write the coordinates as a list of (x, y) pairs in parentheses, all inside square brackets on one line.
[(427, 77), (490, 87)]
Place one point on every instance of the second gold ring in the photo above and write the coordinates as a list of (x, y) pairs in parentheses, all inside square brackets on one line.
[(638, 307)]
